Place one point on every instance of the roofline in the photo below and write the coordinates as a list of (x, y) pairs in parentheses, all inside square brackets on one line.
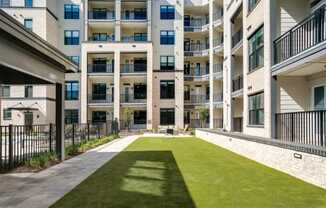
[(17, 30)]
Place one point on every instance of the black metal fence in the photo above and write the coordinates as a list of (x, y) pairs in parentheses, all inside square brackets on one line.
[(308, 33), (306, 128), (20, 143)]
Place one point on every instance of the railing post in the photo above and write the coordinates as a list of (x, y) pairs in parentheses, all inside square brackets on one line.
[(50, 137), (88, 131), (73, 134), (291, 45), (11, 147), (292, 127)]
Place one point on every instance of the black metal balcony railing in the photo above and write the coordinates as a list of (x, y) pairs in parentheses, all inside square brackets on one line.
[(133, 98), (134, 15), (195, 24), (196, 71), (304, 128), (237, 37), (308, 33), (102, 38), (133, 68), (196, 47), (197, 99), (134, 38), (218, 98), (101, 15), (100, 98), (237, 83), (100, 68)]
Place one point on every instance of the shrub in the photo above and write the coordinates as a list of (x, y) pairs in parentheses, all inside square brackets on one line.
[(42, 160)]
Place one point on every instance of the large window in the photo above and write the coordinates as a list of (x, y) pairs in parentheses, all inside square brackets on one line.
[(167, 63), (167, 116), (99, 91), (167, 89), (71, 116), (28, 91), (28, 23), (6, 114), (256, 109), (319, 98), (28, 3), (167, 37), (140, 117), (71, 37), (5, 91), (256, 49), (167, 12), (72, 90), (252, 4), (140, 91), (99, 116), (4, 3), (71, 11)]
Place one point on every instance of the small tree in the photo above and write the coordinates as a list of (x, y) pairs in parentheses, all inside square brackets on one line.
[(128, 113), (203, 116)]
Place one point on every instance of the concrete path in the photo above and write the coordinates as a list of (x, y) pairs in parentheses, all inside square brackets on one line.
[(38, 190)]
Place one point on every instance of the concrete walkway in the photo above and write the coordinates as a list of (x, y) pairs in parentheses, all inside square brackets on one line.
[(38, 190)]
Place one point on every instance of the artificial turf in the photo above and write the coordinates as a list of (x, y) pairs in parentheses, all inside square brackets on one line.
[(187, 173)]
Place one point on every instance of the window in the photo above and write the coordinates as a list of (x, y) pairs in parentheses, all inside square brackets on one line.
[(252, 4), (28, 23), (6, 114), (167, 116), (71, 11), (167, 37), (72, 90), (4, 3), (256, 109), (5, 91), (74, 59), (167, 12), (167, 89), (71, 116), (140, 36), (140, 91), (167, 63), (28, 91), (319, 98), (99, 13), (71, 37), (99, 91), (100, 37), (99, 116), (140, 117), (28, 3), (256, 49)]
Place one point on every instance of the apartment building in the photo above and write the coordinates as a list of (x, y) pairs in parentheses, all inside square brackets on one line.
[(57, 22), (274, 68)]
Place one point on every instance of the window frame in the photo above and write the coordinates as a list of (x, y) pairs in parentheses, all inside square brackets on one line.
[(167, 64), (167, 92), (5, 116), (72, 94), (71, 40), (256, 50), (166, 12), (28, 91), (168, 38), (28, 20), (313, 108), (73, 117), (71, 12), (28, 3), (252, 108), (165, 119), (3, 88)]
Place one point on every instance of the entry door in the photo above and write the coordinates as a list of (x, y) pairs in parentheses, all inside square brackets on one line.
[(28, 118)]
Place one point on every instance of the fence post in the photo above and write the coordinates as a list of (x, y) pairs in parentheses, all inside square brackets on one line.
[(88, 131), (73, 134), (292, 127), (50, 137), (321, 126), (11, 147), (98, 130)]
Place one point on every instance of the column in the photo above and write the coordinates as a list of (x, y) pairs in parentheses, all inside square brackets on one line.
[(149, 20), (59, 120), (211, 66), (83, 86), (116, 104), (118, 20), (150, 88)]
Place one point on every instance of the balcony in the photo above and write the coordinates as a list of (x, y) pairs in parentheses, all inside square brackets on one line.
[(134, 38), (101, 68), (196, 25), (196, 74), (306, 128), (237, 39), (197, 99), (131, 98), (133, 68), (218, 71), (304, 40), (218, 45), (133, 15), (237, 86), (200, 49), (101, 38), (101, 15), (100, 99)]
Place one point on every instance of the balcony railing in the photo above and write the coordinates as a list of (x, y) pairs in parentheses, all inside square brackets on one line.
[(134, 38), (217, 68), (218, 42), (133, 68), (218, 15), (304, 128), (237, 83), (237, 37), (197, 71), (218, 98), (308, 33), (134, 15), (195, 24), (101, 15), (197, 49), (133, 98), (100, 98), (100, 68), (197, 99), (102, 38)]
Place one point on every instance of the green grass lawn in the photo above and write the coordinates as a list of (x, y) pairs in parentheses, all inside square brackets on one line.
[(186, 173)]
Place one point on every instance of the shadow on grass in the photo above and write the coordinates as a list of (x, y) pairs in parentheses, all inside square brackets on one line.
[(135, 179)]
